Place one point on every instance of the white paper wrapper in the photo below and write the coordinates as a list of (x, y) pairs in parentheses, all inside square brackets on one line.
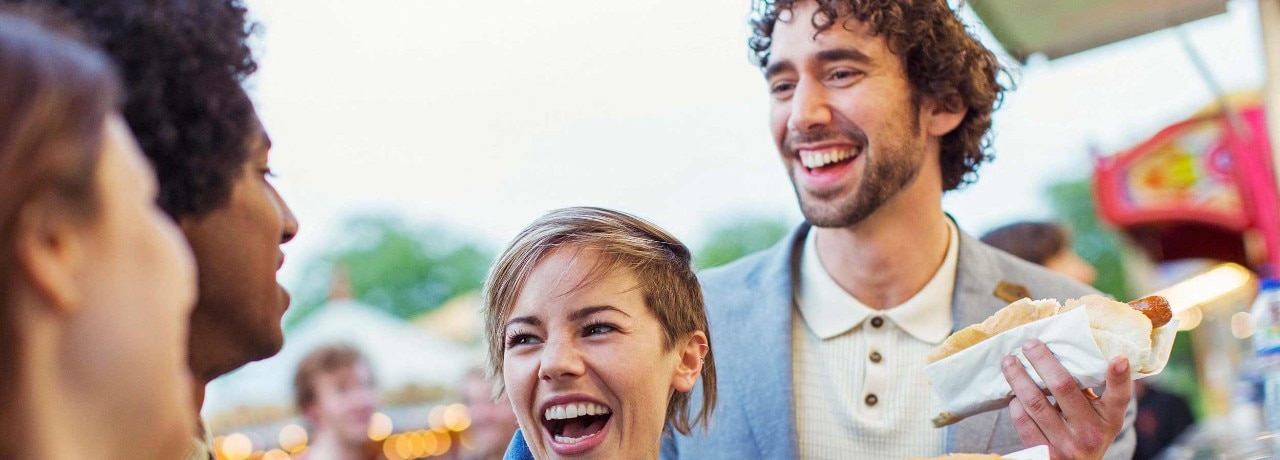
[(1034, 453), (970, 382)]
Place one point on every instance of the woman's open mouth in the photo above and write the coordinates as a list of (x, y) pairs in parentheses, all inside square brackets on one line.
[(577, 427)]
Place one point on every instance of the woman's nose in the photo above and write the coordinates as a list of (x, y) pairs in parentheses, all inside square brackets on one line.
[(561, 359)]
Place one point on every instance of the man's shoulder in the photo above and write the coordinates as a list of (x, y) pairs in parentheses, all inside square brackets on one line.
[(735, 274), (1040, 282)]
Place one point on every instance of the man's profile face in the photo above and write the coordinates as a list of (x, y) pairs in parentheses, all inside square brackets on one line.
[(842, 116), (345, 400), (237, 248)]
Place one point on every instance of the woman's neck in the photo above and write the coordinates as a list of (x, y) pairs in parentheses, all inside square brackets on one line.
[(51, 424)]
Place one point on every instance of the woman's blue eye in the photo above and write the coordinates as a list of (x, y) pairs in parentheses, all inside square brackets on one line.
[(521, 339), (597, 329)]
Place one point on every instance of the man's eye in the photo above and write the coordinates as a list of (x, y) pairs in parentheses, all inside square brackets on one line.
[(844, 74), (781, 88), (598, 329), (521, 339)]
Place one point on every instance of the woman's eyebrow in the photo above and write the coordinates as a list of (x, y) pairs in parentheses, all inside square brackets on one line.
[(588, 311), (530, 320)]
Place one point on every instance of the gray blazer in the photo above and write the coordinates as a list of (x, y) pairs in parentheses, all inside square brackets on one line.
[(749, 305)]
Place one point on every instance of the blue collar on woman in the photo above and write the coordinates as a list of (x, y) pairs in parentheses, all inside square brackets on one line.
[(518, 449)]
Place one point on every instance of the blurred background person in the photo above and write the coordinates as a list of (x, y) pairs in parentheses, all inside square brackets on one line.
[(1162, 416), (182, 65), (493, 422), (1042, 243), (95, 280), (335, 392)]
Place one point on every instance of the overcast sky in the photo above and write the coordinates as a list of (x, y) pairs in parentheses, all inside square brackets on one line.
[(483, 115)]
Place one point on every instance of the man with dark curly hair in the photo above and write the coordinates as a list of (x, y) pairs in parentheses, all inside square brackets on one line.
[(878, 107), (183, 64)]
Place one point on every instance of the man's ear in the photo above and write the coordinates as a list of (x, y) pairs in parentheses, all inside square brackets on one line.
[(942, 117), (49, 249), (692, 351)]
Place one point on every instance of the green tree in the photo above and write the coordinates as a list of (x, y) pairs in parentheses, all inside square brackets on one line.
[(738, 238), (1075, 205), (404, 269)]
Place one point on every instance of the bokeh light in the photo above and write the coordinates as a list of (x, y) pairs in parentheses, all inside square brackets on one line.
[(443, 442), (276, 454), (379, 426), (389, 449), (1188, 319), (237, 446), (436, 417), (1242, 325), (457, 417), (404, 446), (293, 438)]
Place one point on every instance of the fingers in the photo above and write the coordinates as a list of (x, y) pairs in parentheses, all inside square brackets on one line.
[(1027, 429), (1040, 414), (1059, 382), (1119, 389)]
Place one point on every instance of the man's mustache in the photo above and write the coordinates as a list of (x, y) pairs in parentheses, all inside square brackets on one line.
[(850, 135)]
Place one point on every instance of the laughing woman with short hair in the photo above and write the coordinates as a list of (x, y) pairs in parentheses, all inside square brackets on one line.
[(596, 326)]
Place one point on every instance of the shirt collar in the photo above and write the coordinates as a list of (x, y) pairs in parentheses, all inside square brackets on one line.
[(828, 310)]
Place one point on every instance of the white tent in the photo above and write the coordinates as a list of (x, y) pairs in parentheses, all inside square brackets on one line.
[(400, 355)]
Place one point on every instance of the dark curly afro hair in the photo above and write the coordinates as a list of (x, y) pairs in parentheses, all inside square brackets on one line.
[(943, 61), (183, 63)]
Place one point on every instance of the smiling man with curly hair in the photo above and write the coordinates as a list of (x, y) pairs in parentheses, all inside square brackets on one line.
[(183, 64), (877, 108)]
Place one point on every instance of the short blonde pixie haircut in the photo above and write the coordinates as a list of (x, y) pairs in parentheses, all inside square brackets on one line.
[(658, 260)]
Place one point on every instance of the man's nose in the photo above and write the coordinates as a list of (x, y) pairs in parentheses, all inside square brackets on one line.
[(809, 108)]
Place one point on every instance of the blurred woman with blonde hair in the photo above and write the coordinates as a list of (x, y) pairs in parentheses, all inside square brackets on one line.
[(96, 283)]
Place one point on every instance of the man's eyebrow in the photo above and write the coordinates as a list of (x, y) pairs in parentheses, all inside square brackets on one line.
[(843, 54), (530, 320), (778, 67), (588, 311)]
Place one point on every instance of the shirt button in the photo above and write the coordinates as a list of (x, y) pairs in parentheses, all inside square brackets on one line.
[(875, 357), (877, 322), (871, 400)]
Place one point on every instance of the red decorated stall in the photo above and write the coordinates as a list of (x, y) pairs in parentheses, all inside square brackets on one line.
[(1201, 188)]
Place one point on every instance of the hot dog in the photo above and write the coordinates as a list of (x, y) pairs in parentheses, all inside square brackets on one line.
[(1118, 328), (1155, 307)]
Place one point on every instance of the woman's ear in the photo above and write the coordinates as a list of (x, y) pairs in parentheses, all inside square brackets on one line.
[(942, 117), (692, 351), (49, 249)]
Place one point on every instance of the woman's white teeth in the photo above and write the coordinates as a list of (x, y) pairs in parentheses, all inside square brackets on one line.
[(566, 411), (818, 159), (568, 440)]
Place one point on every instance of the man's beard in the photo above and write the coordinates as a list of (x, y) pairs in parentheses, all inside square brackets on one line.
[(886, 173)]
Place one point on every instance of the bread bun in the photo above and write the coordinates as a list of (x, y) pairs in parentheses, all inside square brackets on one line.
[(1015, 314)]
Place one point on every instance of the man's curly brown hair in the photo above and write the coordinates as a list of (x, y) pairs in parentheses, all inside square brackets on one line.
[(182, 63), (943, 62)]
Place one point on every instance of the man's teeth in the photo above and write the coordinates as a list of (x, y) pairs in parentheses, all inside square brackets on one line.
[(820, 158), (566, 411)]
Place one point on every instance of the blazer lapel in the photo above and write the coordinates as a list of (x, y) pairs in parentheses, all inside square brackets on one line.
[(765, 331), (977, 277)]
